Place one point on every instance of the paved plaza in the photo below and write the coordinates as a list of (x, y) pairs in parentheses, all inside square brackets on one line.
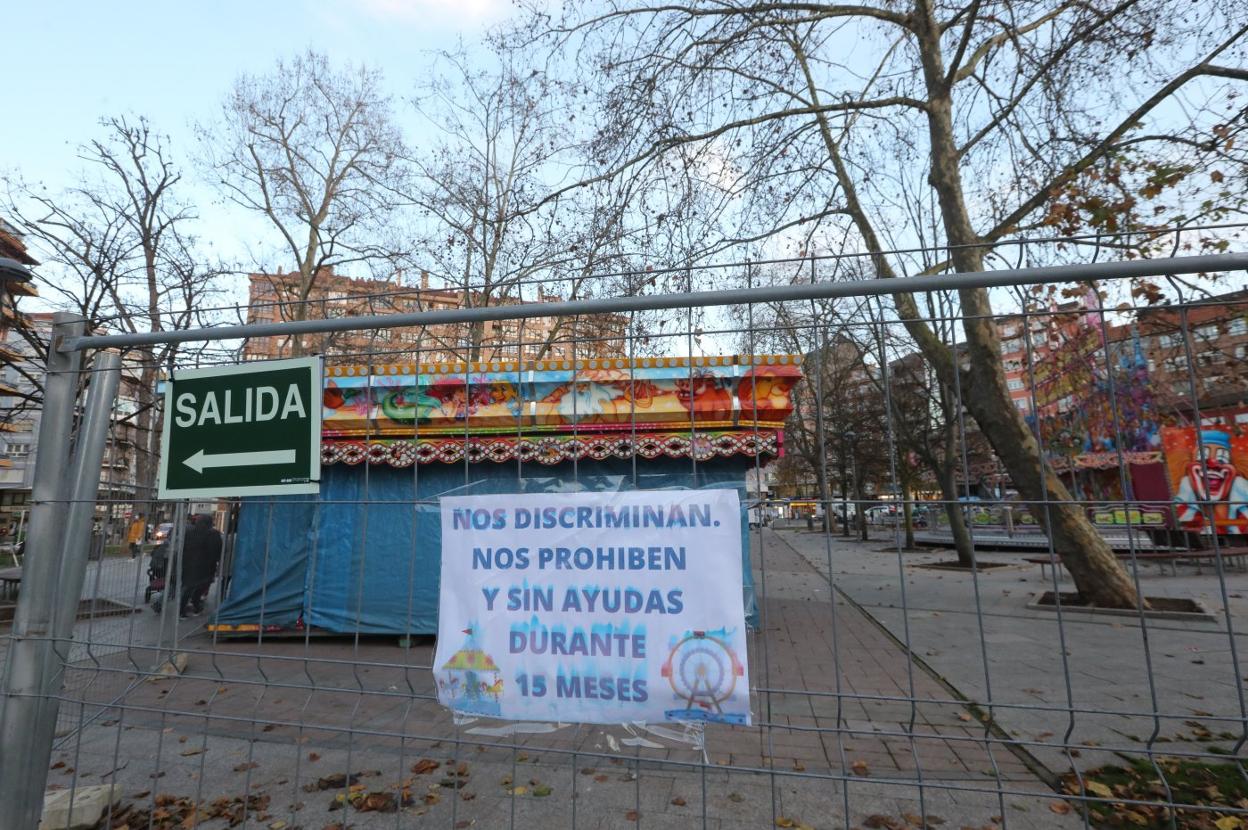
[(849, 731)]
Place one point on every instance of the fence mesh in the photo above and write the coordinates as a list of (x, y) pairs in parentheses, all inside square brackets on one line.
[(919, 655)]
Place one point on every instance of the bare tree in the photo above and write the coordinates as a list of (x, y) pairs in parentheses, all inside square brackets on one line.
[(989, 109), (838, 409), (315, 151), (486, 226), (117, 250)]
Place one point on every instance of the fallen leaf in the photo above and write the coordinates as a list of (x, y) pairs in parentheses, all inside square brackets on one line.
[(588, 771), (277, 825), (191, 752), (860, 768), (541, 791), (1229, 823), (462, 823), (378, 802), (467, 796), (313, 757), (521, 790), (1059, 807), (963, 716), (1099, 789), (601, 778), (678, 801), (332, 782), (632, 815), (781, 821), (246, 766), (736, 798)]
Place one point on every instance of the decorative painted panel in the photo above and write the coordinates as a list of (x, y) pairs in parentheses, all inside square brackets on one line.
[(559, 396)]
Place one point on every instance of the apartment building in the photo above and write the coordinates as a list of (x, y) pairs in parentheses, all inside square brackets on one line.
[(1198, 357), (274, 298), (19, 423)]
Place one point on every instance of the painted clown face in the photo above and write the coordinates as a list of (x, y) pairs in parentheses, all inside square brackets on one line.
[(1212, 480)]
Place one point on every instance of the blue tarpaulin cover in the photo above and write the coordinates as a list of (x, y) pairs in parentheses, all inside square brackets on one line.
[(364, 556)]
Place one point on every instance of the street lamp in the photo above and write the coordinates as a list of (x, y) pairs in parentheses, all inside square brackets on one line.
[(847, 438)]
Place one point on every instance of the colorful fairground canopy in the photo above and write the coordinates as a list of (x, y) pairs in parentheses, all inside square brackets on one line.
[(550, 412)]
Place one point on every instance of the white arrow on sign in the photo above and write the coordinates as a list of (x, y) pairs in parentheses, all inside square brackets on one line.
[(200, 460)]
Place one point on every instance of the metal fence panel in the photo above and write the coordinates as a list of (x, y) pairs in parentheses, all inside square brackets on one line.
[(896, 680)]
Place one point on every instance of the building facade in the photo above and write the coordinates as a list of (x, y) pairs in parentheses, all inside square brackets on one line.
[(19, 420), (23, 340), (273, 298)]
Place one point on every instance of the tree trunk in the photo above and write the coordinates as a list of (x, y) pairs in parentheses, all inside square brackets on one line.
[(860, 508), (1091, 562), (962, 541), (1089, 559), (145, 448), (907, 508), (476, 336)]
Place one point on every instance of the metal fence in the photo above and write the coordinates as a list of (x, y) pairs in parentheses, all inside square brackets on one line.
[(898, 679)]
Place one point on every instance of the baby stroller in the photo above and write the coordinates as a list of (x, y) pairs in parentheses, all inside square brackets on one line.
[(156, 575)]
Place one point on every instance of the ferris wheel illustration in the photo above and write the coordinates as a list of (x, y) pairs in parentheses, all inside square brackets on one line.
[(702, 671)]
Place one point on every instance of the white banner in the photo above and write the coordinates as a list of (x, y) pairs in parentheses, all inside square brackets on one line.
[(593, 607)]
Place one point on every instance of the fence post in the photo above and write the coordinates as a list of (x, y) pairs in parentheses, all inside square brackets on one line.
[(30, 649), (77, 542), (170, 597)]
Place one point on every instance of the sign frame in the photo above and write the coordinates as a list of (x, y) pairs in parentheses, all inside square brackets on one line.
[(314, 364)]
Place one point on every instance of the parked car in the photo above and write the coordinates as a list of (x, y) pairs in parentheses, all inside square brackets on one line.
[(162, 533)]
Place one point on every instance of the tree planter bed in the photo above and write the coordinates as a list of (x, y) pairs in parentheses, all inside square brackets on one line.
[(1163, 608)]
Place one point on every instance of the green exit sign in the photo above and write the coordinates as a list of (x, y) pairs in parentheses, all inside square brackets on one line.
[(249, 430)]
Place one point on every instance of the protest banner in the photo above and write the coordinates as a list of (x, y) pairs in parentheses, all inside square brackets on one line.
[(593, 607)]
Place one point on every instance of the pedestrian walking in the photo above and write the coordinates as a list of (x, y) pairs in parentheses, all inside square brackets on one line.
[(190, 579), (138, 529), (201, 554)]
